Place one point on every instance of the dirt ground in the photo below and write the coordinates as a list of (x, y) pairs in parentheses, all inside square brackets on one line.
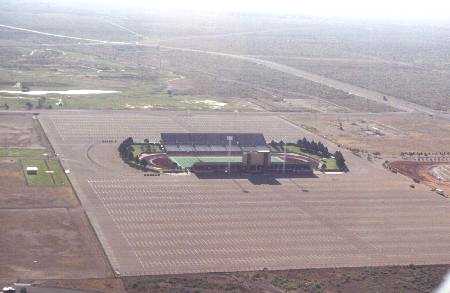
[(45, 232), (373, 279), (421, 172), (108, 285), (49, 243), (390, 133), (20, 131)]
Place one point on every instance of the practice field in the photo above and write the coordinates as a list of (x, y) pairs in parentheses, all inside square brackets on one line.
[(49, 173), (183, 224)]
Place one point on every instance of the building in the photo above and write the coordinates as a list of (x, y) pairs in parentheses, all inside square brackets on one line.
[(226, 152), (32, 170)]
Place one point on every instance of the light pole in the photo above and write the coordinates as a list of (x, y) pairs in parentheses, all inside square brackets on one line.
[(230, 139)]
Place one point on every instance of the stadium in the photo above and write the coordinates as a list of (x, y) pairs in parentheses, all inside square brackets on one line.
[(220, 153)]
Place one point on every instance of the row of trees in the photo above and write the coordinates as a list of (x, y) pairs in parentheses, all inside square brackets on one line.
[(126, 153), (317, 148), (340, 161)]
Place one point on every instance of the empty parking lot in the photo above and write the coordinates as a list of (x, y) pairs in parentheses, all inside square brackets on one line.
[(182, 224)]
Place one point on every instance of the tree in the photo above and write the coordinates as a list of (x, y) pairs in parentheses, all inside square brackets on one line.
[(320, 147), (340, 161), (306, 145), (130, 155), (29, 105), (144, 163), (314, 147), (326, 152), (41, 102)]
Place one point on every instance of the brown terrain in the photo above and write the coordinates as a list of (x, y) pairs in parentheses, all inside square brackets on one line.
[(422, 172), (45, 232)]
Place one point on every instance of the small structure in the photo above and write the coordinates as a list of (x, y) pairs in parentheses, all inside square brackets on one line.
[(32, 170), (9, 290), (256, 160)]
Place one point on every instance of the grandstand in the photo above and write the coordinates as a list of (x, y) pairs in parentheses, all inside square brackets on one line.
[(213, 143)]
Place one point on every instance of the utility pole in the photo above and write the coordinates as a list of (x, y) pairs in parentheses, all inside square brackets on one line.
[(284, 159)]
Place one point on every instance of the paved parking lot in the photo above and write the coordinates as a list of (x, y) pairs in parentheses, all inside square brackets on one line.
[(182, 224)]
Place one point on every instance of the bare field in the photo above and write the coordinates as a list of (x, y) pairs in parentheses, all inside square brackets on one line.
[(181, 224), (46, 233), (389, 134), (47, 244), (20, 131)]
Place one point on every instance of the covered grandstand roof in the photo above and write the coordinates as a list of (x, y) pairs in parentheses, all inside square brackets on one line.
[(214, 139)]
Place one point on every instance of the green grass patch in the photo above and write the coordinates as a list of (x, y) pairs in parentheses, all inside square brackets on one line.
[(22, 152), (331, 164), (50, 173), (59, 176), (294, 149)]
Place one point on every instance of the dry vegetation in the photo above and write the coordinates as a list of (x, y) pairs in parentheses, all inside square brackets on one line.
[(376, 279), (223, 76), (389, 134), (411, 63), (414, 83)]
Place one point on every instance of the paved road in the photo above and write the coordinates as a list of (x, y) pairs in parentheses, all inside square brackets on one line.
[(356, 90), (63, 36)]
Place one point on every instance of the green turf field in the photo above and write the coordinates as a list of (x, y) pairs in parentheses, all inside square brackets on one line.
[(56, 176), (187, 162)]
